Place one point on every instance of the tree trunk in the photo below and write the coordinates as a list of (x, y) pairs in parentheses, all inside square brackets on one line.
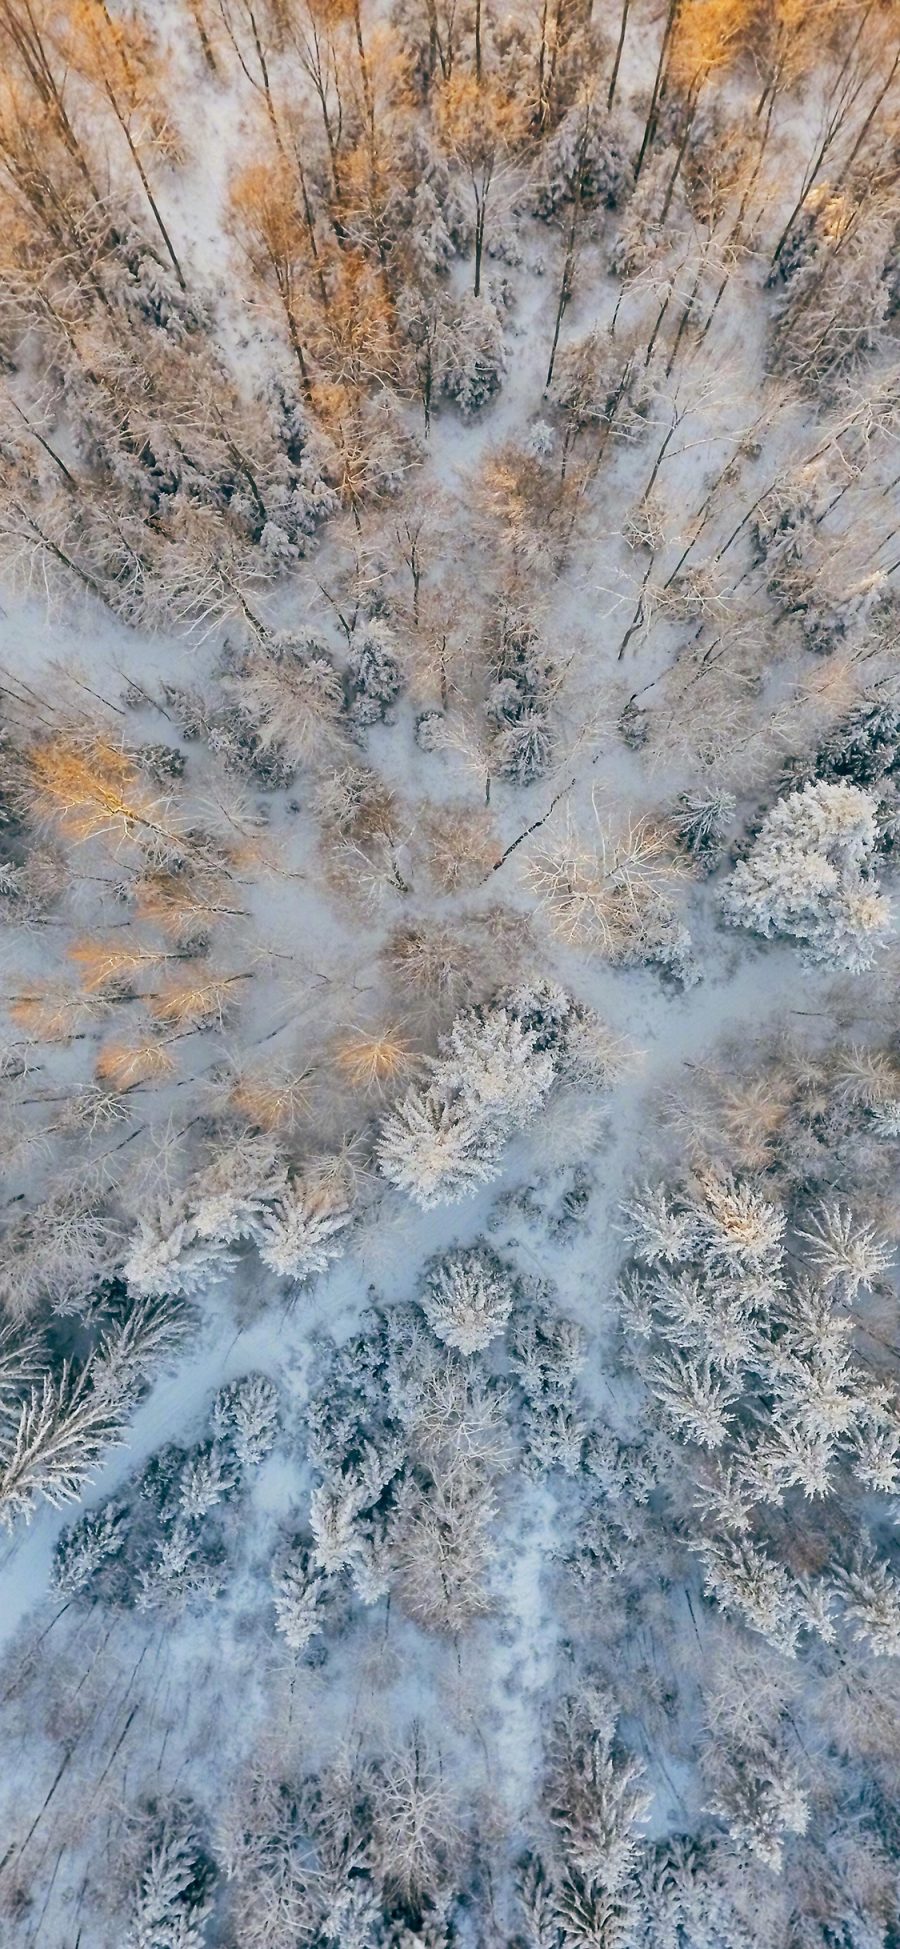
[(135, 157), (565, 288), (479, 242), (682, 150), (620, 44), (658, 84)]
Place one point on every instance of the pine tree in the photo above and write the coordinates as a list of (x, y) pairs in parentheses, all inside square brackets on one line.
[(246, 1413), (52, 1446), (467, 1297), (172, 1903), (169, 1258), (300, 1233), (299, 1593), (809, 874), (871, 1599), (437, 1149)]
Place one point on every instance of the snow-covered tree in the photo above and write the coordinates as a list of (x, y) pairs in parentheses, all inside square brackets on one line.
[(169, 1257), (172, 1903), (335, 1506), (208, 1476), (475, 358), (810, 875), (871, 1598), (494, 1066), (373, 672), (657, 1230), (299, 1594), (701, 819), (593, 1794), (739, 1228), (228, 1197), (246, 1413), (695, 1397), (582, 160), (437, 1149), (291, 693), (415, 1827), (85, 1546), (180, 1571), (52, 1445), (467, 1297), (759, 1796), (847, 1254), (748, 1583), (300, 1233), (444, 1551), (21, 1365)]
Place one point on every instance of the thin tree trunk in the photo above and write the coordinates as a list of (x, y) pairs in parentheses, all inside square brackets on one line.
[(661, 68), (565, 288), (638, 616), (648, 490), (542, 56), (832, 128), (132, 150), (657, 327), (479, 241), (864, 130), (69, 478), (619, 46), (682, 151), (685, 317), (202, 36)]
